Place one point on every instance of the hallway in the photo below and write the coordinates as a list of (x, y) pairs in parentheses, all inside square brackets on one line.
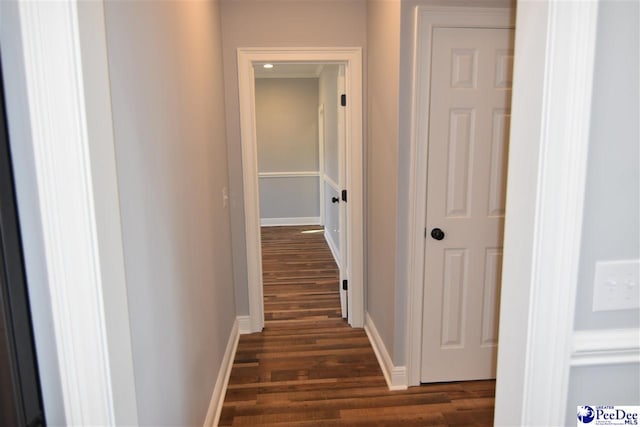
[(309, 368)]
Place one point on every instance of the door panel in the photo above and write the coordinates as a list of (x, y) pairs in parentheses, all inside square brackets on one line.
[(342, 160), (468, 143)]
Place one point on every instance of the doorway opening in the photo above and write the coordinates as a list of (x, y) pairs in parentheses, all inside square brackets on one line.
[(348, 63), (300, 136)]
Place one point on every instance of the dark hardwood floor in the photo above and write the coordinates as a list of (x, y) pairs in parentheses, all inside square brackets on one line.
[(309, 368)]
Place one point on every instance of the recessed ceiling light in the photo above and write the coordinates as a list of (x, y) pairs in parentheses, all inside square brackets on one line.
[(268, 66)]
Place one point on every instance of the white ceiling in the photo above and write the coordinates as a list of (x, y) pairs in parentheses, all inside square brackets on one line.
[(288, 70)]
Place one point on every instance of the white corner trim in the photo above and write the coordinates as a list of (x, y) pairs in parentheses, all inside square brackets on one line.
[(426, 18), (244, 325), (293, 174), (302, 220), (51, 36), (246, 87), (332, 246), (93, 40), (605, 347), (395, 376), (557, 222), (351, 57), (220, 388)]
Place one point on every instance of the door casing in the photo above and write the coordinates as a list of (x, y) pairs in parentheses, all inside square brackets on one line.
[(351, 58)]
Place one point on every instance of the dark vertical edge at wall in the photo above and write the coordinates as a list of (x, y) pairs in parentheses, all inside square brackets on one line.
[(21, 393)]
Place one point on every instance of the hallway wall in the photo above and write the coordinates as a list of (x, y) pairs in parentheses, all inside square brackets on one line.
[(255, 23), (168, 110), (383, 39)]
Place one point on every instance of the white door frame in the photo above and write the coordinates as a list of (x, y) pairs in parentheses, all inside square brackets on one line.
[(352, 58), (69, 119), (551, 108), (428, 18)]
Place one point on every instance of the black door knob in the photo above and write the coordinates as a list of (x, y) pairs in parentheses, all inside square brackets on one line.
[(437, 234), (335, 200)]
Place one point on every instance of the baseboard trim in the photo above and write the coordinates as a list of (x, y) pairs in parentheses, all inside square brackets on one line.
[(332, 246), (220, 389), (395, 376), (303, 220), (244, 325), (605, 347)]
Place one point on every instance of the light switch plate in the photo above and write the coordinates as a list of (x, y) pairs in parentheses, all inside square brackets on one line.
[(616, 284)]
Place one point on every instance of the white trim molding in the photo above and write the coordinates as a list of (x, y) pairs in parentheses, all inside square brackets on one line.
[(220, 388), (332, 246), (69, 111), (351, 57), (302, 220), (551, 107), (395, 376), (427, 18), (605, 347), (244, 325), (299, 174)]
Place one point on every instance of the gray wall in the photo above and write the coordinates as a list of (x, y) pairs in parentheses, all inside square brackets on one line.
[(287, 124), (29, 210), (287, 139), (611, 228), (383, 40), (254, 23), (167, 96)]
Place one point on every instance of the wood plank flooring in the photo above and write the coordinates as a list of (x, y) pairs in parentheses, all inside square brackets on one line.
[(309, 368)]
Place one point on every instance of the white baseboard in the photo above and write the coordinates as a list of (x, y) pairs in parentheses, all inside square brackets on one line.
[(220, 389), (244, 325), (333, 247), (303, 220), (605, 347), (395, 376)]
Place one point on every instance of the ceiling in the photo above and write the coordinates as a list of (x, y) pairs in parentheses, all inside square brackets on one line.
[(288, 70)]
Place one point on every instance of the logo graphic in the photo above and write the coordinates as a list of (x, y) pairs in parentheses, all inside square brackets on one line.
[(586, 414), (608, 415)]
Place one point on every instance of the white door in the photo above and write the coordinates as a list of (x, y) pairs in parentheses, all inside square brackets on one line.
[(342, 161), (468, 140)]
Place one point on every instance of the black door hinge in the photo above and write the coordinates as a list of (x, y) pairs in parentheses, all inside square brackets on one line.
[(344, 195), (343, 100), (425, 233), (344, 285)]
